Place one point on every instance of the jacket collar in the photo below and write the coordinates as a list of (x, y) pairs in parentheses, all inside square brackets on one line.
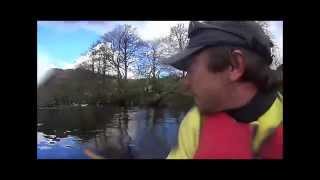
[(258, 105)]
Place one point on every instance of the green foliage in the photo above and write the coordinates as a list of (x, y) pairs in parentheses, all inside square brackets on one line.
[(82, 87)]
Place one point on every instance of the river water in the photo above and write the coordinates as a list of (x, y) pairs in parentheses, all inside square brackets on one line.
[(111, 132)]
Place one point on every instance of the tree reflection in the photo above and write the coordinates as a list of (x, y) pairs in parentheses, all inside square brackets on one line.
[(113, 141), (106, 130)]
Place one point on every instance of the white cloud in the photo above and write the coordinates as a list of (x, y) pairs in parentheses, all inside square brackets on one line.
[(59, 26), (276, 28), (78, 61), (131, 75), (98, 27), (44, 63), (155, 29), (146, 29)]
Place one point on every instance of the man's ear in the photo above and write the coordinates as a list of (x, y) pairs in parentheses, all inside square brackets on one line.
[(237, 65)]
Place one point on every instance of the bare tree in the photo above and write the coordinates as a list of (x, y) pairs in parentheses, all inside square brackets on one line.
[(124, 46), (153, 56), (104, 57), (84, 65), (131, 45), (113, 38), (149, 66), (178, 39), (92, 53), (275, 50), (99, 58)]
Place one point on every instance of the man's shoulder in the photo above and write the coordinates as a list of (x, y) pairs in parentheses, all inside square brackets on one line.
[(188, 136), (192, 119)]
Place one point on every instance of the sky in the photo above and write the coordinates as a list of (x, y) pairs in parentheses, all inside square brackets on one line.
[(61, 43)]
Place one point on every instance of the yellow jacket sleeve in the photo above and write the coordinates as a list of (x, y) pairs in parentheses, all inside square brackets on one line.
[(188, 136), (267, 123)]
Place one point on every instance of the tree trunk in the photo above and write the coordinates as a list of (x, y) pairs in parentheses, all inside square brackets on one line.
[(154, 66), (104, 70), (99, 66), (92, 66)]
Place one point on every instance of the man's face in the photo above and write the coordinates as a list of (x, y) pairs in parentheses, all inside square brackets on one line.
[(209, 89)]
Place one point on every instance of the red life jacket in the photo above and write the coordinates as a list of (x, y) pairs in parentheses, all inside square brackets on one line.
[(222, 137), (272, 148)]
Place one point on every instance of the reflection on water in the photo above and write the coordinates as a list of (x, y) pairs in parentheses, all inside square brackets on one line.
[(113, 132)]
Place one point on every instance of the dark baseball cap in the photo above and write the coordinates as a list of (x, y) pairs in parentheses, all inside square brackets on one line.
[(245, 34)]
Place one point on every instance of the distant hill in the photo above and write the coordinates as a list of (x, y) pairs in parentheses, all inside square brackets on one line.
[(72, 86)]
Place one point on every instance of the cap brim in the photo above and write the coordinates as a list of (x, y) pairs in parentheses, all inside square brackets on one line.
[(182, 59)]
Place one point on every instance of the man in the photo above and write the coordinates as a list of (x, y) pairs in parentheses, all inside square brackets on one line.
[(238, 113)]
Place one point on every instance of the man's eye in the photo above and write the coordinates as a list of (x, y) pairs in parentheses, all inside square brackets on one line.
[(188, 73), (190, 70)]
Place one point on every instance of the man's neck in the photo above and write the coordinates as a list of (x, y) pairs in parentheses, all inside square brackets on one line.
[(242, 95)]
